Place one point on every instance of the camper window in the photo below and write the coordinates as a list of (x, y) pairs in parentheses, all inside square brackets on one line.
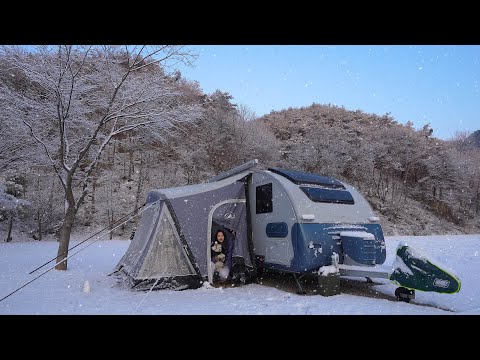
[(328, 195), (277, 230), (264, 199)]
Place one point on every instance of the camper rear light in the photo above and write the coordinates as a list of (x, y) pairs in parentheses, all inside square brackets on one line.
[(308, 217), (373, 219)]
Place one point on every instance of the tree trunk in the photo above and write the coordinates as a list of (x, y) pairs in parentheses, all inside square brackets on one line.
[(147, 169), (40, 210), (92, 211), (393, 190), (131, 167), (50, 198), (9, 231), (477, 205), (64, 241), (39, 222), (110, 223), (110, 213), (139, 182)]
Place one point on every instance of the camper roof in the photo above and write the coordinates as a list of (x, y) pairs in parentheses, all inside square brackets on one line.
[(301, 178)]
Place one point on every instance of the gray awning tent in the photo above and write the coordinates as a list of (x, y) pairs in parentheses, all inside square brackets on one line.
[(171, 247)]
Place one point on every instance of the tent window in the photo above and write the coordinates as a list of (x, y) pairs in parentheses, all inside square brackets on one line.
[(165, 257), (264, 199)]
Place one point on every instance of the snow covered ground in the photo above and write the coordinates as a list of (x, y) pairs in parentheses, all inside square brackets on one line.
[(86, 289)]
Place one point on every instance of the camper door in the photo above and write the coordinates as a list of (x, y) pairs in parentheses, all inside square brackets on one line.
[(277, 243)]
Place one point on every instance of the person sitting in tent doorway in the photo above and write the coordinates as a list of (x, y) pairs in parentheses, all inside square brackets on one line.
[(221, 255)]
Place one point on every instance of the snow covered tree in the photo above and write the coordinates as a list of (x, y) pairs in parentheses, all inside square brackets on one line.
[(73, 100), (11, 202), (226, 137), (13, 150)]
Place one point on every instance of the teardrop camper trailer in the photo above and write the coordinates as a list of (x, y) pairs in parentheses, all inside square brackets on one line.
[(283, 220)]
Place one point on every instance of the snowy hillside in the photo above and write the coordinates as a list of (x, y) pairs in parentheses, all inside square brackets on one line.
[(86, 289)]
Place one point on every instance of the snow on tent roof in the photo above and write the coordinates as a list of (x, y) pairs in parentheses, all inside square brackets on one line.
[(189, 190), (298, 178)]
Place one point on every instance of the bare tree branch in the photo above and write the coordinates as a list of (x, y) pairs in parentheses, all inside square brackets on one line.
[(75, 100), (62, 180)]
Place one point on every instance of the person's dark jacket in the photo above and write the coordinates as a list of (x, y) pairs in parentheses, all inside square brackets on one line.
[(227, 248)]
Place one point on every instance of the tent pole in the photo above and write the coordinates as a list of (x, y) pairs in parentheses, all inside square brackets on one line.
[(235, 170)]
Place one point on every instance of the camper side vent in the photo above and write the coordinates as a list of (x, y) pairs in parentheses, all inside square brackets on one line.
[(358, 247)]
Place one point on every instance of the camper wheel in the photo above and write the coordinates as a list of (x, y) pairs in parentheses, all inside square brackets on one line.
[(404, 294), (260, 271)]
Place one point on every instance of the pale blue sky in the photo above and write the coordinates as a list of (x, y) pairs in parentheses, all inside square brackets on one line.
[(435, 84)]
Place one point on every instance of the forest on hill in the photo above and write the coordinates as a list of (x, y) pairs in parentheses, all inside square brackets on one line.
[(89, 131)]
